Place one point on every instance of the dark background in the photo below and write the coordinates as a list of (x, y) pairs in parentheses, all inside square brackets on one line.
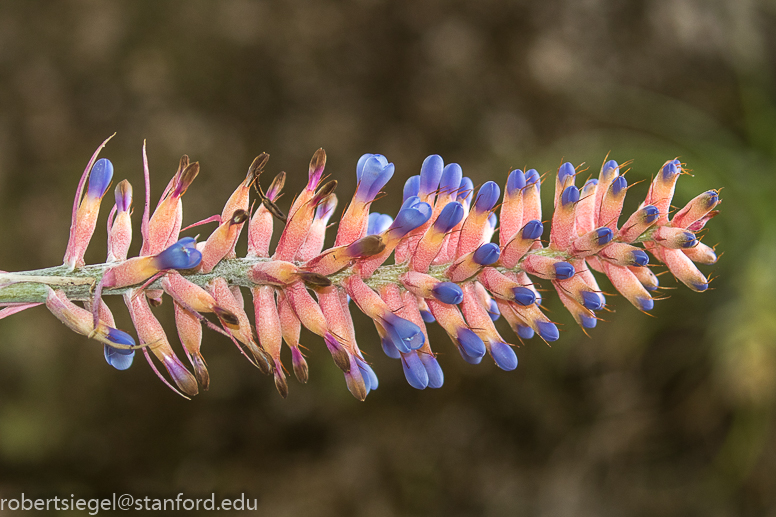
[(671, 415)]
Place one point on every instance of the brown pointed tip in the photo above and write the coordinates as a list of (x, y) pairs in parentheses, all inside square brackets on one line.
[(356, 387), (314, 280), (187, 383), (200, 371), (276, 186), (281, 384), (154, 302), (257, 166), (239, 217), (368, 246), (324, 192), (183, 163), (318, 162), (301, 371), (226, 316), (262, 360), (341, 359), (186, 179)]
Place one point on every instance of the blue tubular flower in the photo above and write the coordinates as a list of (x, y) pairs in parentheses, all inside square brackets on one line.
[(533, 229), (593, 301), (515, 181), (609, 169), (120, 338), (181, 255), (525, 332), (532, 178), (646, 304), (405, 335), (605, 235), (640, 258), (448, 292), (430, 174), (449, 217), (470, 359), (503, 355), (471, 344), (414, 370), (565, 171), (651, 213), (670, 170), (436, 378), (451, 178), (100, 178), (389, 348), (369, 376), (487, 196), (373, 172), (547, 330), (412, 214), (493, 310), (618, 185), (563, 270), (588, 321), (569, 195), (411, 187), (466, 190), (119, 358), (487, 254), (378, 223), (427, 316), (524, 296)]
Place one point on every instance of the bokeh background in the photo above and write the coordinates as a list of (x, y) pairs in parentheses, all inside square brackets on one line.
[(668, 415)]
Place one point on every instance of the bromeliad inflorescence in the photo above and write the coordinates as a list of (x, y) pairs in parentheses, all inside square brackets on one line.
[(446, 268)]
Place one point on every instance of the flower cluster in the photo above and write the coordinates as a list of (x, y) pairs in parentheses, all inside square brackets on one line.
[(446, 269)]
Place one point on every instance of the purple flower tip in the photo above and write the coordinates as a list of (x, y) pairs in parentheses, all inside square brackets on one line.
[(470, 359), (593, 301), (618, 185), (436, 378), (533, 229), (651, 213), (368, 374), (700, 287), (563, 270), (412, 214), (404, 334), (712, 198), (389, 348), (605, 235), (493, 311), (532, 178), (120, 338), (465, 190), (448, 292), (611, 165), (690, 240), (525, 332), (524, 296), (503, 355), (450, 180), (427, 316), (99, 178), (547, 330), (373, 172), (378, 223), (487, 254), (569, 195), (471, 344), (119, 358), (565, 171), (515, 181), (640, 258), (181, 255), (670, 170), (414, 371), (646, 304), (411, 187), (430, 174), (450, 216), (587, 321), (487, 196)]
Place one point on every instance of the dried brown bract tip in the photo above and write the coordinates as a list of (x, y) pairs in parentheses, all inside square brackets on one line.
[(314, 280)]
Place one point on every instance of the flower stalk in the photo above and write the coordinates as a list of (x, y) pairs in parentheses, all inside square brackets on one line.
[(446, 267)]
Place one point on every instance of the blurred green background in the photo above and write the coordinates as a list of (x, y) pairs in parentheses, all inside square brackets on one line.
[(671, 415)]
